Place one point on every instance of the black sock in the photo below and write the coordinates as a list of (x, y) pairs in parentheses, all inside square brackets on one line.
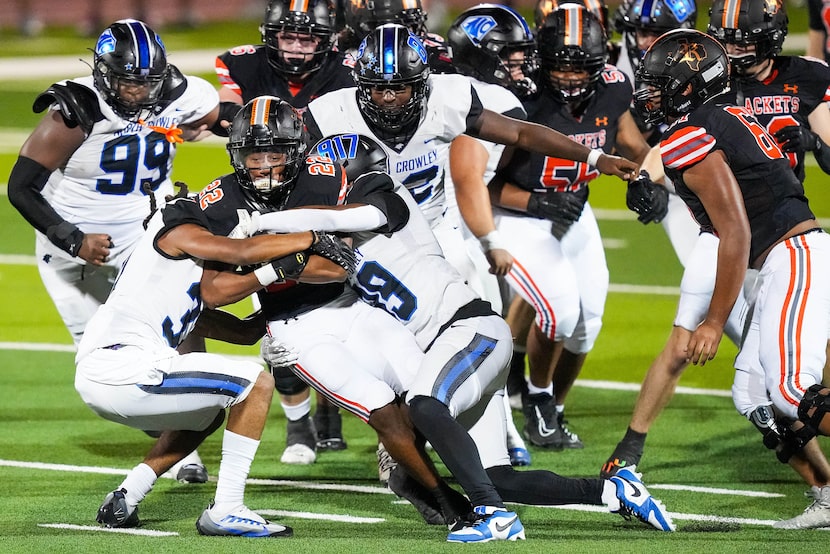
[(456, 448)]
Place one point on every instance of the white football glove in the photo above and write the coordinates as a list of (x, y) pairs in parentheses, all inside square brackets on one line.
[(277, 354), (248, 225)]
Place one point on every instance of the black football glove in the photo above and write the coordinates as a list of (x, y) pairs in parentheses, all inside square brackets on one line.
[(647, 199), (561, 208), (334, 249), (797, 138)]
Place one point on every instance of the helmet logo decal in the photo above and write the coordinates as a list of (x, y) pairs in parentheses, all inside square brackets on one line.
[(477, 27), (681, 9), (106, 43), (690, 53), (418, 46)]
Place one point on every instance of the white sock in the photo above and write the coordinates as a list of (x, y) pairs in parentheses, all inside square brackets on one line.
[(293, 413), (138, 483), (560, 408), (237, 454), (533, 389), (609, 495)]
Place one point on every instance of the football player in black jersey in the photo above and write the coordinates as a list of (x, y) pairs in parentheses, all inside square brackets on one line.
[(296, 63), (818, 35), (738, 183), (297, 60), (543, 197), (788, 95)]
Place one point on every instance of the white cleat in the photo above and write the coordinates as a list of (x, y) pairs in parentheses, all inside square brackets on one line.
[(816, 515)]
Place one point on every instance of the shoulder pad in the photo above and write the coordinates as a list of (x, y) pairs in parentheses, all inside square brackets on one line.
[(78, 104), (174, 86)]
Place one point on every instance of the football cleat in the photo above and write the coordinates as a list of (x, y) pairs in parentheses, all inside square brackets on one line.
[(519, 456), (635, 500), (115, 512), (240, 523), (487, 523), (300, 442), (541, 426), (192, 473), (622, 457), (569, 438), (816, 515), (386, 464), (403, 485)]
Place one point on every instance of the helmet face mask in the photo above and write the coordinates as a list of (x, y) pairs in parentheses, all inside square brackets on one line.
[(392, 60), (494, 44), (758, 24), (572, 40), (298, 36), (130, 68), (682, 70), (267, 145)]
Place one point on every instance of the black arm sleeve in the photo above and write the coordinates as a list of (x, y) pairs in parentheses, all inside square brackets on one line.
[(26, 182), (822, 155), (227, 111)]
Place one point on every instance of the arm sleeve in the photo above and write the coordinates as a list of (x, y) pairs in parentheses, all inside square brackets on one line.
[(26, 182), (359, 218)]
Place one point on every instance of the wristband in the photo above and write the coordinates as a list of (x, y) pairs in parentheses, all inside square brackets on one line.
[(266, 275), (593, 157), (492, 241)]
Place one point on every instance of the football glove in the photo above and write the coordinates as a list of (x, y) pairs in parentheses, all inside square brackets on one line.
[(647, 199), (561, 208), (277, 354), (334, 249), (797, 138)]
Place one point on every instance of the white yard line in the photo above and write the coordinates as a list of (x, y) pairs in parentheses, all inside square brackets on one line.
[(376, 490)]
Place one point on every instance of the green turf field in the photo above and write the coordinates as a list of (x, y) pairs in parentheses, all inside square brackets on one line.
[(58, 459)]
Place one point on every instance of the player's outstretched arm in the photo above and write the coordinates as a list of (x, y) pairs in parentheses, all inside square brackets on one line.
[(495, 127)]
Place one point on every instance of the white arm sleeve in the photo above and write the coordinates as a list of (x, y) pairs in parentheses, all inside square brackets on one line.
[(361, 218)]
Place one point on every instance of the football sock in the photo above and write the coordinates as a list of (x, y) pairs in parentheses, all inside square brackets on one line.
[(609, 495), (544, 488), (533, 389), (456, 448), (294, 413), (237, 455), (138, 484)]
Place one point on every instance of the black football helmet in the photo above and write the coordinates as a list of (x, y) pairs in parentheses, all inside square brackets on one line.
[(682, 70), (654, 17), (267, 124), (130, 67), (572, 39), (392, 56), (310, 17), (545, 7), (483, 36), (364, 16), (358, 154), (762, 23)]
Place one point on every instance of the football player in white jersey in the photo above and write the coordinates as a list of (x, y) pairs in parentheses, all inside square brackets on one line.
[(403, 273), (84, 175), (493, 46), (416, 116), (128, 371)]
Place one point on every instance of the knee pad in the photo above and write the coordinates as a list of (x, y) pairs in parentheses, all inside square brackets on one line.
[(286, 382), (793, 441), (763, 418), (814, 406)]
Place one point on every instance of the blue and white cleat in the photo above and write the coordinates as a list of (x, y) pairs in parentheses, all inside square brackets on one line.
[(635, 500), (519, 456), (489, 523), (240, 523)]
